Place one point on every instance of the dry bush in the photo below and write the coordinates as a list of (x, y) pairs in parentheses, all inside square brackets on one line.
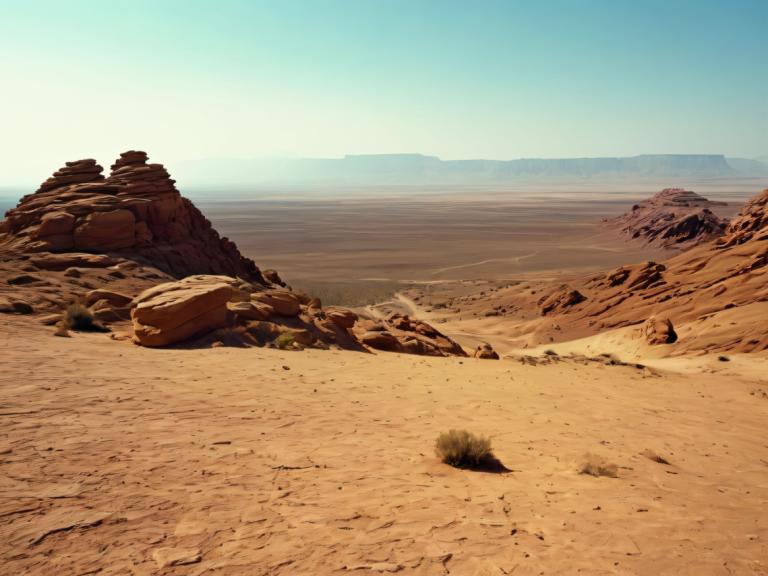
[(79, 318), (461, 448), (597, 466), (285, 340)]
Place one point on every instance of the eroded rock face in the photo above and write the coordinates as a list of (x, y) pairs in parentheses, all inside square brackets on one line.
[(658, 330), (402, 333), (485, 351), (752, 222), (672, 218), (136, 212), (561, 299), (177, 311), (198, 307)]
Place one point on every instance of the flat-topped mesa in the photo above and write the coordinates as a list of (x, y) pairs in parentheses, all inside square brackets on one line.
[(672, 218), (136, 213)]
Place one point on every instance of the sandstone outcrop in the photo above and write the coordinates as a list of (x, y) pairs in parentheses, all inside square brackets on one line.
[(83, 237), (197, 308), (485, 351), (177, 311), (135, 213), (717, 294), (659, 331), (672, 218), (402, 333), (562, 298)]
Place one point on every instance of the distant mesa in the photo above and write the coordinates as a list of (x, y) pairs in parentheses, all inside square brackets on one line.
[(672, 218), (418, 169)]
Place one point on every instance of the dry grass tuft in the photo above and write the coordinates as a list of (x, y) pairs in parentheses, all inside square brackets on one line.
[(79, 318), (597, 466), (461, 448), (284, 341)]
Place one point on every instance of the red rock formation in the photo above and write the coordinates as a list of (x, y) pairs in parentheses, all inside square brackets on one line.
[(716, 293), (673, 218), (136, 212)]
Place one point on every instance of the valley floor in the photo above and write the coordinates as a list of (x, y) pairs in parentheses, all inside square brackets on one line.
[(123, 460)]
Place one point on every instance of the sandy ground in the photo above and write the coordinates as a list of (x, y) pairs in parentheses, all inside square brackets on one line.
[(122, 460)]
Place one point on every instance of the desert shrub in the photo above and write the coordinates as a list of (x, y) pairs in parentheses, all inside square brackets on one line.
[(285, 340), (597, 466), (550, 352), (79, 318), (462, 448)]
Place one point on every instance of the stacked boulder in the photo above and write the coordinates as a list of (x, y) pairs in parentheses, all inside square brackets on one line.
[(136, 212)]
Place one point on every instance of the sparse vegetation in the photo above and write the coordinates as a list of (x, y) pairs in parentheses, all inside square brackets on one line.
[(598, 466), (284, 341), (80, 319), (461, 448)]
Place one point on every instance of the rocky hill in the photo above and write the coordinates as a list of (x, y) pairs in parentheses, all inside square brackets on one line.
[(672, 218), (716, 294), (130, 247), (136, 212), (712, 297)]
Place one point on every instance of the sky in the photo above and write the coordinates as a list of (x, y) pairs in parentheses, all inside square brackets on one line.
[(193, 79)]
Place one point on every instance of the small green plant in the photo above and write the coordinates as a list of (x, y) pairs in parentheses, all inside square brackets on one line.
[(79, 318), (285, 340), (461, 448)]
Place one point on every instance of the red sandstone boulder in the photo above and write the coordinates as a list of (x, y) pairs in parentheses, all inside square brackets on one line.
[(659, 331), (176, 311), (341, 317), (283, 303), (381, 341), (251, 310), (486, 352), (115, 299)]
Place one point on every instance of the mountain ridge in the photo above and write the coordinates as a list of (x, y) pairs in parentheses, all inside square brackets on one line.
[(414, 168)]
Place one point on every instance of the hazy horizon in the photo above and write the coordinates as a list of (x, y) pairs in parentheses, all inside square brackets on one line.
[(492, 80)]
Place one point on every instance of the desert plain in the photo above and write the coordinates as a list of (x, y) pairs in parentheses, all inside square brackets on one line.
[(617, 457)]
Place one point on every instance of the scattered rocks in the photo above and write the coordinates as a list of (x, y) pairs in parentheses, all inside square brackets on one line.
[(486, 352)]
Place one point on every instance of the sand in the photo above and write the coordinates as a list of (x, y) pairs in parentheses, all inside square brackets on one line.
[(123, 460)]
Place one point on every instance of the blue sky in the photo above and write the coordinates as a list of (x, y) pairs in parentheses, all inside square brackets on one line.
[(458, 79)]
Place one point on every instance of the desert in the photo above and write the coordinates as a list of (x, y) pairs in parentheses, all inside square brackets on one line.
[(358, 288), (217, 446)]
